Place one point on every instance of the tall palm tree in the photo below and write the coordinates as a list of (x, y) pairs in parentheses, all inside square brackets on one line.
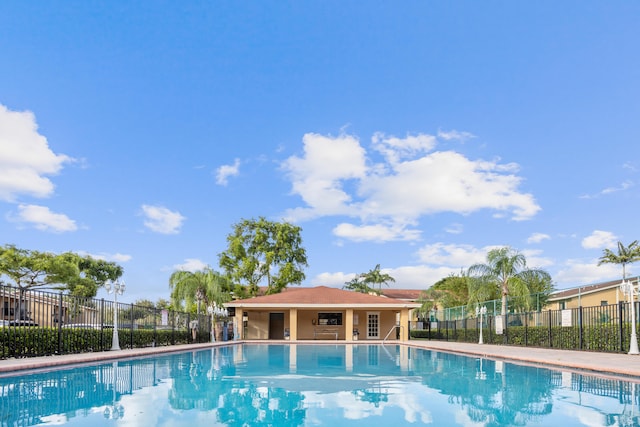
[(506, 269), (200, 287), (357, 285), (376, 277), (626, 255)]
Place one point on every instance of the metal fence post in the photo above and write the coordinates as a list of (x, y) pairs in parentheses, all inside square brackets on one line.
[(621, 328), (580, 325), (60, 323), (550, 320)]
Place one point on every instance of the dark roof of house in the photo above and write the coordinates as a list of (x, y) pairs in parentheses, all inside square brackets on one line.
[(582, 290), (320, 295)]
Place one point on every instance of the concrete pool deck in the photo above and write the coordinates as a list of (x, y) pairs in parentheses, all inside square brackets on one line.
[(600, 363)]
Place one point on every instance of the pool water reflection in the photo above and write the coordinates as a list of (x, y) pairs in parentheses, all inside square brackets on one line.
[(311, 384)]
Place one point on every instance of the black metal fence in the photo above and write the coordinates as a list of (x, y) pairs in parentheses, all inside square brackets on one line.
[(606, 328), (38, 323)]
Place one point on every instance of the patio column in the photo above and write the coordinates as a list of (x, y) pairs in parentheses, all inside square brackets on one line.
[(239, 319), (293, 324), (348, 325), (404, 322)]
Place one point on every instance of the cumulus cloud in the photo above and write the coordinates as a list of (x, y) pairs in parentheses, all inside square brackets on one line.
[(599, 240), (191, 264), (455, 135), (25, 157), (162, 220), (225, 171), (452, 255), (42, 218), (376, 232), (538, 237), (578, 272), (117, 257), (335, 176)]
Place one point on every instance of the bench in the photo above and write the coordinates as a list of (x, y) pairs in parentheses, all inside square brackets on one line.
[(325, 331)]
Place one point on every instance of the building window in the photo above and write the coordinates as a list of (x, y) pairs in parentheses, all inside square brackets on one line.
[(330, 319), (563, 305), (604, 303)]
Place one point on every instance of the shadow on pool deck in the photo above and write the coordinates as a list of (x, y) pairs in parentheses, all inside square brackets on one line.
[(603, 363)]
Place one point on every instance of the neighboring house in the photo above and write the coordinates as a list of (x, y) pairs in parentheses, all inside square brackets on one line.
[(322, 313), (588, 296), (43, 308)]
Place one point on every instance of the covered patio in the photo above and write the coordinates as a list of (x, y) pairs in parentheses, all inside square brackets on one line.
[(322, 313)]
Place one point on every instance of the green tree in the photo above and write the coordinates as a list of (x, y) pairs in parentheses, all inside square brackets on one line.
[(357, 285), (626, 255), (506, 270), (78, 275), (198, 289), (376, 278), (264, 251)]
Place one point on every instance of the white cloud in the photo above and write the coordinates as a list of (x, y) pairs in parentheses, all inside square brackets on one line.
[(225, 171), (395, 149), (333, 177), (455, 228), (336, 280), (117, 257), (25, 157), (599, 240), (578, 273), (162, 220), (376, 233), (455, 135), (41, 218), (319, 176), (538, 237), (609, 190), (534, 260), (191, 264), (460, 256)]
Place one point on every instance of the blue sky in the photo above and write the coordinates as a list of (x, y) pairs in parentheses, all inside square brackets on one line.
[(414, 135)]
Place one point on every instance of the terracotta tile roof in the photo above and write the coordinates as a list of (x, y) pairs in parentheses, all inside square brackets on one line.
[(320, 295), (403, 294)]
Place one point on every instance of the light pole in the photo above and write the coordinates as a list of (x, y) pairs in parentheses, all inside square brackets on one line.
[(481, 311), (116, 288), (115, 411), (628, 288)]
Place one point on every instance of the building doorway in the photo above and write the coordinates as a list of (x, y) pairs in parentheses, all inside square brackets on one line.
[(373, 325), (276, 326)]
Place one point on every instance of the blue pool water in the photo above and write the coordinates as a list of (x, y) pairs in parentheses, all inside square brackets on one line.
[(315, 385)]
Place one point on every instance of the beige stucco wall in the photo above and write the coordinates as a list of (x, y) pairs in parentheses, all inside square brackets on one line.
[(307, 327), (611, 296)]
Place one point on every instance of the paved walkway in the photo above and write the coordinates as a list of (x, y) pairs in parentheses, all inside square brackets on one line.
[(601, 363)]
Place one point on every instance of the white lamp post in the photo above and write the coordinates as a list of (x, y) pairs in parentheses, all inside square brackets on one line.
[(481, 311), (628, 288), (116, 288)]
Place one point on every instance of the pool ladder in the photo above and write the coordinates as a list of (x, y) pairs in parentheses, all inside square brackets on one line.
[(394, 328)]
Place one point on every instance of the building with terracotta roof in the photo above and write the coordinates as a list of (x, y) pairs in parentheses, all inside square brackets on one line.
[(322, 313)]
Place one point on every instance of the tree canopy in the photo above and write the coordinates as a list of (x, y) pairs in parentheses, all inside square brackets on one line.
[(79, 275), (262, 251), (506, 271)]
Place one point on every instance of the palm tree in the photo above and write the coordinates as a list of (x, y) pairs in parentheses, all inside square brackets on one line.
[(626, 255), (507, 270), (194, 288), (357, 285), (375, 277)]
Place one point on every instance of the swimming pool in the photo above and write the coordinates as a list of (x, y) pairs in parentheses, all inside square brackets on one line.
[(315, 385)]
